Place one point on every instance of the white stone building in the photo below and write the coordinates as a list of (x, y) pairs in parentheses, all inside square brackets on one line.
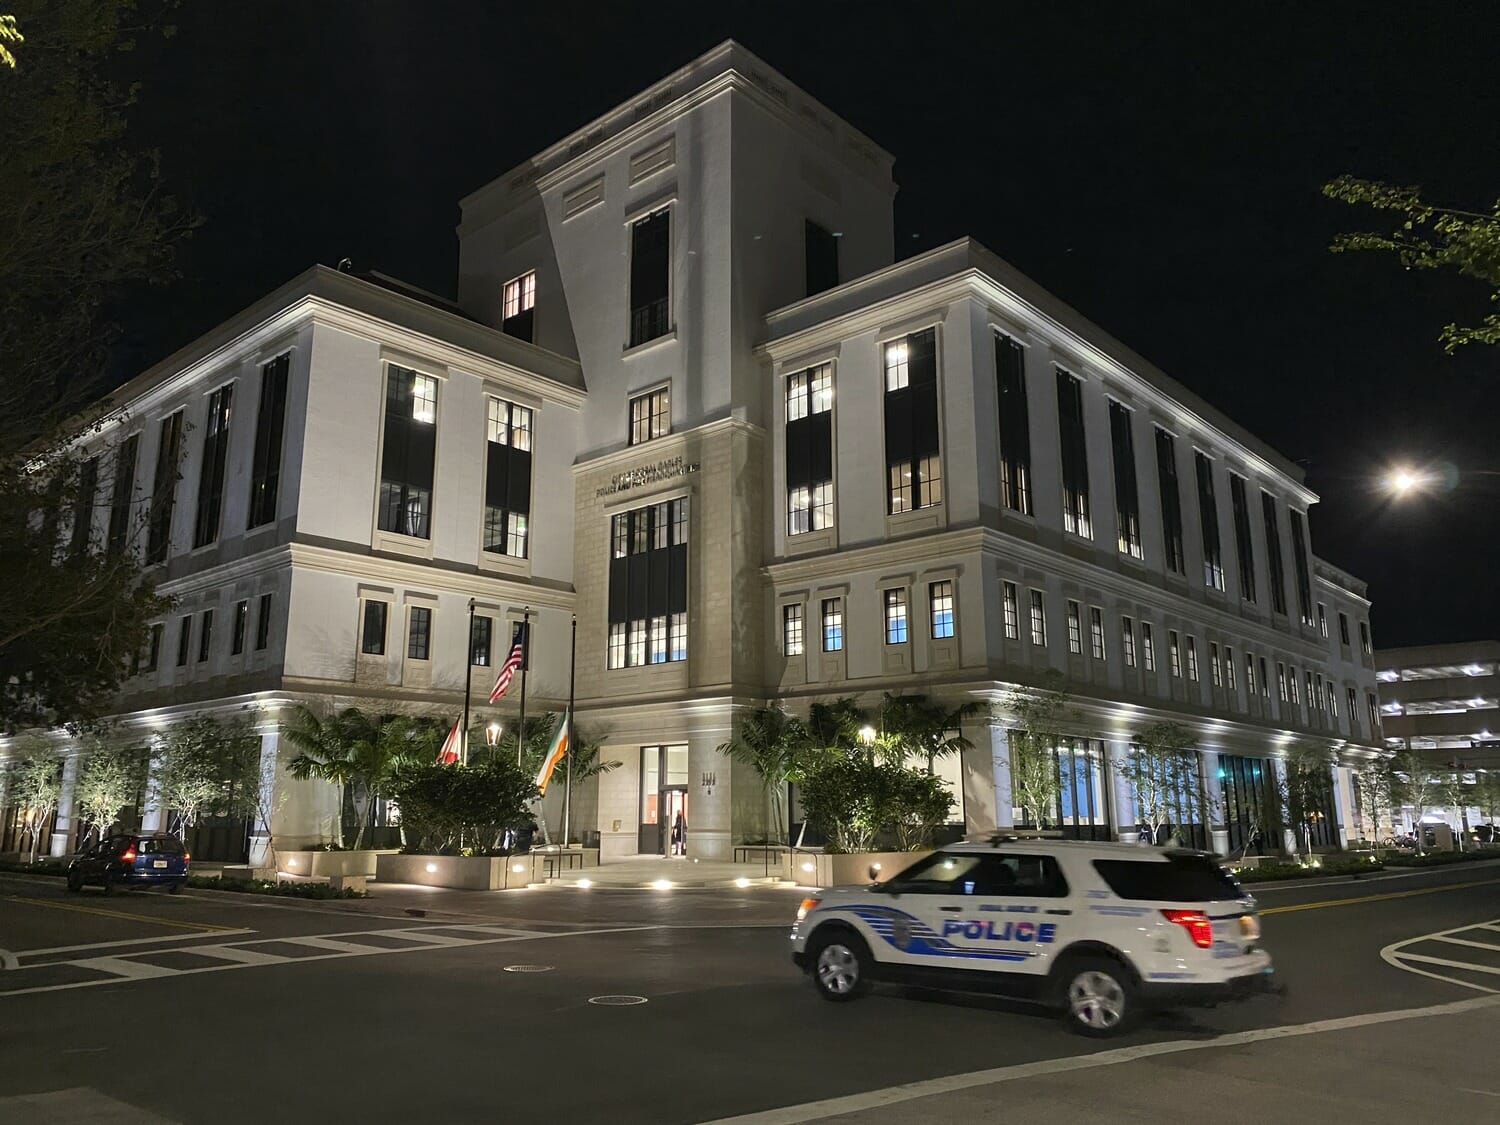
[(687, 394)]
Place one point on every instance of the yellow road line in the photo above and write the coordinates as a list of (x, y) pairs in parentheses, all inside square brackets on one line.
[(204, 926), (1376, 898)]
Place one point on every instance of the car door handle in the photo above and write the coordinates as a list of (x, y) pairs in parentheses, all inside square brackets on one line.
[(953, 909), (1059, 912)]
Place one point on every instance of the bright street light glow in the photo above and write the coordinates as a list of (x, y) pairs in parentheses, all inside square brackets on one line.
[(742, 882), (1403, 481), (663, 884), (867, 735), (585, 883)]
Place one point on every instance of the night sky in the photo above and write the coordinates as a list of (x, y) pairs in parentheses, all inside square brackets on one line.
[(1156, 166)]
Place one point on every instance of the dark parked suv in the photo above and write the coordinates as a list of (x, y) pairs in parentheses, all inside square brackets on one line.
[(141, 860)]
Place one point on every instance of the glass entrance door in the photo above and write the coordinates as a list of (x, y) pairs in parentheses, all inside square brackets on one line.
[(664, 782), (675, 823)]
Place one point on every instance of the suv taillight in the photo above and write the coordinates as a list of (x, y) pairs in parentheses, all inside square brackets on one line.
[(186, 857), (1195, 922), (128, 855)]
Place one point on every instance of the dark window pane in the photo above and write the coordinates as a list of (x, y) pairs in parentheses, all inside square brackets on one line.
[(1273, 552), (1171, 502), (164, 488), (372, 631), (1127, 500), (1015, 425), (650, 269), (1244, 547), (263, 623), (1178, 878), (123, 494), (265, 477), (215, 460)]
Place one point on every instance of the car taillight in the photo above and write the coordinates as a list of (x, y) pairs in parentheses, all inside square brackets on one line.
[(808, 904), (186, 856), (1195, 922), (128, 855)]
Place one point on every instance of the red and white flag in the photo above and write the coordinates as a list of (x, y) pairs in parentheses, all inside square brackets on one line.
[(514, 661), (450, 753)]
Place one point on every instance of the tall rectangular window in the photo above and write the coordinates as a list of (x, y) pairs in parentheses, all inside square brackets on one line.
[(1312, 695), (1174, 654), (1372, 706), (1038, 618), (122, 494), (263, 623), (821, 251), (205, 635), (1208, 513), (518, 305), (215, 458), (1291, 683), (153, 649), (833, 624), (1148, 647), (1299, 562), (1171, 502), (809, 449), (650, 275), (1075, 628), (419, 633), (650, 416), (912, 457), (895, 617), (239, 627), (1352, 697), (1344, 629), (940, 607), (1096, 632), (1073, 447), (409, 453), (1243, 545), (83, 508), (1265, 680), (1015, 425), (184, 639), (1192, 656), (1127, 639), (507, 479), (1281, 688), (1213, 664), (1364, 639), (481, 637), (1127, 499), (1011, 610), (1323, 619), (1273, 552), (1250, 673), (164, 488), (648, 583), (1229, 672), (372, 628), (265, 473), (791, 630)]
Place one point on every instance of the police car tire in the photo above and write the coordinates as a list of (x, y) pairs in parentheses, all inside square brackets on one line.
[(75, 881), (1098, 996), (859, 961)]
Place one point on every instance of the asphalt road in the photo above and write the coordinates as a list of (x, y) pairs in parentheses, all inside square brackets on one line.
[(365, 1011)]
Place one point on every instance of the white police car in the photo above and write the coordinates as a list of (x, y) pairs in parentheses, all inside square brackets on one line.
[(1103, 932)]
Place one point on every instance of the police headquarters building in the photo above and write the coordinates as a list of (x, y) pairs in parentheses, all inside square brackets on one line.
[(688, 394)]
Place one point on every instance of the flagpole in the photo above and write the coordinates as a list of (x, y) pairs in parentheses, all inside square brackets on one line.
[(525, 660), (568, 781), (468, 679)]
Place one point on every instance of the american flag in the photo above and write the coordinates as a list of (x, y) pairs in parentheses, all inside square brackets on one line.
[(512, 662)]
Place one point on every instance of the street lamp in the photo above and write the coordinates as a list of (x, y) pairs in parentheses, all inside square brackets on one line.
[(1402, 480), (492, 735), (867, 736)]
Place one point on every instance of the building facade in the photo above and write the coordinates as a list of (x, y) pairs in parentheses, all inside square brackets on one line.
[(688, 396), (1443, 701)]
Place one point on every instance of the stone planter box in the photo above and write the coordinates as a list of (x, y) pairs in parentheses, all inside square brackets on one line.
[(468, 873), (820, 869), (326, 865)]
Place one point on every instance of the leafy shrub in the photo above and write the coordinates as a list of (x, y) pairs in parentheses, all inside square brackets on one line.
[(285, 890), (853, 800), (1435, 859), (445, 807), (41, 867)]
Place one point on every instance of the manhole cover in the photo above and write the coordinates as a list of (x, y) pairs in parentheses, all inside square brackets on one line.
[(616, 1001), (528, 968)]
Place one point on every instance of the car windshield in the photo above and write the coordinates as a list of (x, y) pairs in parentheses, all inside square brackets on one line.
[(1176, 878), (971, 873)]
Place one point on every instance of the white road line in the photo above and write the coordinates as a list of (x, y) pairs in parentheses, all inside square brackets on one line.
[(133, 970), (911, 1091), (1465, 965), (1471, 944), (126, 970), (1396, 956), (8, 960), (128, 941)]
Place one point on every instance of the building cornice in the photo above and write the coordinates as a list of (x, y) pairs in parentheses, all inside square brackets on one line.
[(665, 446), (308, 556)]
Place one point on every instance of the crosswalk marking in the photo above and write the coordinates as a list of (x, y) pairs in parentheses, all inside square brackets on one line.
[(244, 954), (1399, 955)]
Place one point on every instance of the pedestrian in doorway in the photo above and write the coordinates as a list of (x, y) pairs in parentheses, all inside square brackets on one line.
[(679, 834)]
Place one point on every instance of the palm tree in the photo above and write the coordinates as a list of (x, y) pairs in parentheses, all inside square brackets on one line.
[(773, 744), (353, 748), (914, 725)]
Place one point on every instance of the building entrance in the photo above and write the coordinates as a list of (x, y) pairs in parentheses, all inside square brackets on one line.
[(664, 813)]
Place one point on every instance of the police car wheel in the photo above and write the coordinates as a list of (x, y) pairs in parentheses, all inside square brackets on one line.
[(1098, 997), (840, 966)]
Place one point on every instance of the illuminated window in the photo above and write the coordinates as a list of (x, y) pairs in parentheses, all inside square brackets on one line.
[(940, 602), (1127, 638), (1229, 673), (912, 454), (895, 617), (1281, 688), (1148, 647), (1075, 628), (518, 301), (1038, 618), (1174, 657), (1250, 673), (1322, 619), (833, 624), (1012, 611), (1353, 699), (507, 482), (1096, 632), (897, 368), (1192, 657), (1074, 452), (1127, 504), (1292, 685), (1213, 665), (791, 630), (648, 585), (809, 508), (650, 416), (1364, 638), (409, 453)]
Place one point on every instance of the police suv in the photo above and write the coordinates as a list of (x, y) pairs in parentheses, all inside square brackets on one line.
[(1102, 932)]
